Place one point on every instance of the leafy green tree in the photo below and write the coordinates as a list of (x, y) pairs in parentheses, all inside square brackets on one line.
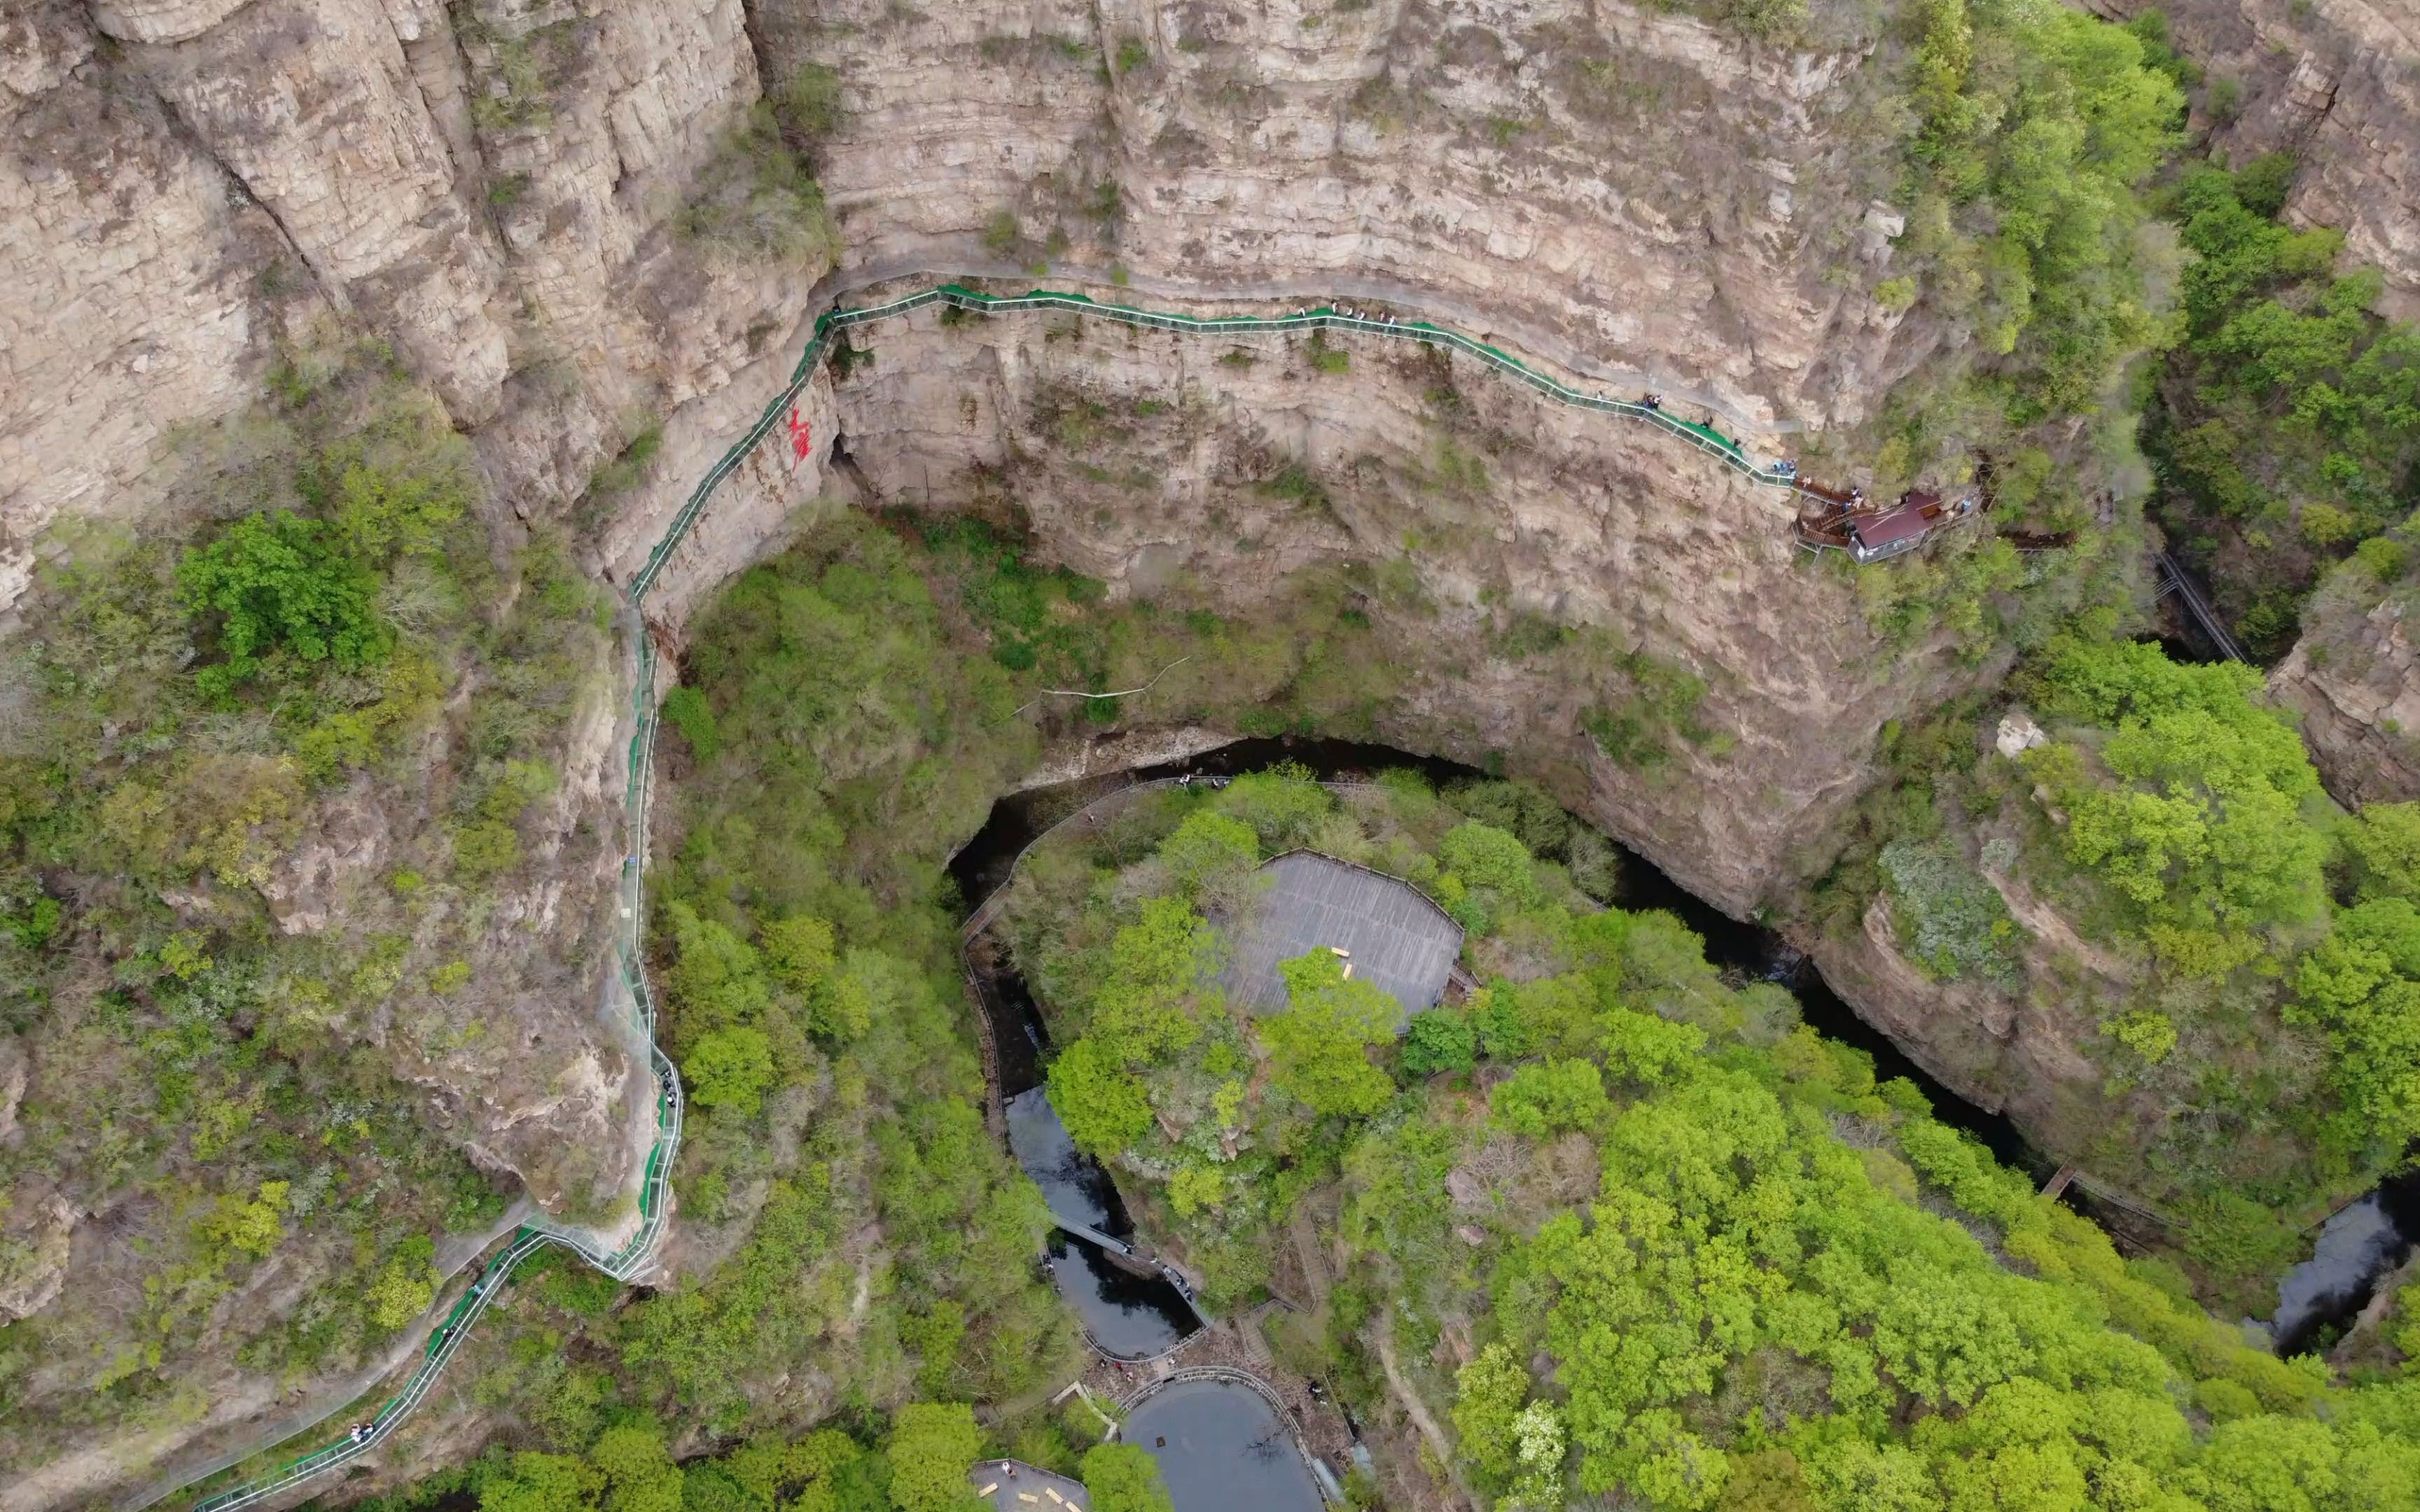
[(1551, 1097), (237, 1225), (708, 1486), (1141, 1011), (797, 950), (1485, 856), (1438, 1039), (931, 1447), (935, 1334), (1944, 1341), (1124, 1477), (1489, 1395), (1210, 854), (1102, 1104), (730, 1069), (686, 711), (2199, 823), (2383, 845), (1647, 1049), (543, 1483), (1320, 1044), (1874, 1477), (404, 1287), (1283, 805), (280, 584), (1488, 871), (2361, 987), (639, 1475), (1495, 1016), (716, 979)]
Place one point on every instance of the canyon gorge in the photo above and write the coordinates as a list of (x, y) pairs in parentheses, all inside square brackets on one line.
[(586, 243)]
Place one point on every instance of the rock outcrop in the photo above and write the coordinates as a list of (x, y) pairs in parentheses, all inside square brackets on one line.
[(487, 187), (2354, 679), (496, 189)]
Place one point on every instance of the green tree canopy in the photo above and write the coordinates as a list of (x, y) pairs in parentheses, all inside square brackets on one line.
[(543, 1483), (1124, 1477), (1102, 1104), (1320, 1042), (932, 1446), (280, 584), (1210, 854), (1437, 1040)]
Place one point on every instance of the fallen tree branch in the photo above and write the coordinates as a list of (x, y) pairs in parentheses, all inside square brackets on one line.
[(1079, 693)]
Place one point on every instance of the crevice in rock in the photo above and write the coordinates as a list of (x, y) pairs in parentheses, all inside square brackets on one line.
[(458, 143), (752, 27), (191, 137)]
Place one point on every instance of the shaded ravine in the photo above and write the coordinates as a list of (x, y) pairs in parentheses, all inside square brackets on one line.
[(2360, 1246)]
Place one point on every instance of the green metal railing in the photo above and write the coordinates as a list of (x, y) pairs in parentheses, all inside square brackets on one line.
[(632, 1257)]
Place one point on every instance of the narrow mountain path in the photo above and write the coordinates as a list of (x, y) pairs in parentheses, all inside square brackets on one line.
[(629, 1006)]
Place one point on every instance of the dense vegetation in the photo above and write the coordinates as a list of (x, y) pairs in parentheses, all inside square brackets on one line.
[(2033, 129), (1666, 1240), (332, 621), (2238, 965), (2287, 425), (916, 1461), (834, 751)]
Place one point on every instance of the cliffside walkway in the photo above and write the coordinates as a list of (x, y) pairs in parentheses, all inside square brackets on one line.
[(628, 1256), (2173, 581)]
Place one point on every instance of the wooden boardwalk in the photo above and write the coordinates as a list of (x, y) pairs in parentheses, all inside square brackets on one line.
[(1390, 934)]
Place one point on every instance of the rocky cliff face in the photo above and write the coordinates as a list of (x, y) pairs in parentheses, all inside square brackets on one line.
[(492, 187), (485, 186), (2354, 678), (1459, 500), (2337, 84), (1636, 184)]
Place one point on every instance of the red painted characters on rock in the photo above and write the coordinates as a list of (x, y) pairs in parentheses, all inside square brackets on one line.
[(802, 437)]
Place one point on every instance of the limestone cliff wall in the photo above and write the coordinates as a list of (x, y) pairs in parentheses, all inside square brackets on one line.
[(1590, 520), (1636, 184), (495, 187), (2354, 679), (486, 186)]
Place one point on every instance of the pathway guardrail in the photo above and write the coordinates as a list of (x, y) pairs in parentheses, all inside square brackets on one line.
[(633, 1257)]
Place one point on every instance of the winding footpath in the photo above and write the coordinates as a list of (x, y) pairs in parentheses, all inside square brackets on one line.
[(627, 1256)]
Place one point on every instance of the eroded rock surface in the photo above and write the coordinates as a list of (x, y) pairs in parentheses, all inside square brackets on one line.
[(1559, 512), (2354, 678)]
